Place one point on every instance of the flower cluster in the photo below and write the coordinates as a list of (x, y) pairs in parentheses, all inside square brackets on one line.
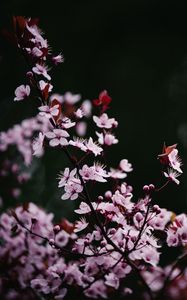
[(115, 246)]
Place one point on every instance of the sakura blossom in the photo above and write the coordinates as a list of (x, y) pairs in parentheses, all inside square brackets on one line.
[(57, 137), (58, 59), (41, 70), (106, 139), (38, 145), (105, 122), (48, 112), (22, 92)]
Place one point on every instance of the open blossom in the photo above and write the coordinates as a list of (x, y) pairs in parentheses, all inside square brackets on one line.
[(49, 112), (125, 165), (70, 98), (80, 225), (172, 175), (105, 122), (58, 59), (66, 176), (117, 174), (96, 173), (79, 113), (22, 92), (41, 70), (78, 143), (43, 85), (106, 138), (72, 190), (38, 145), (57, 137), (93, 147), (175, 161), (112, 280)]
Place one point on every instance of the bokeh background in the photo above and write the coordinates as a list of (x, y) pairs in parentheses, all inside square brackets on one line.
[(135, 49)]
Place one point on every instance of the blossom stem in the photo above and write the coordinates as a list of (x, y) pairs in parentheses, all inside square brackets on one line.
[(162, 187)]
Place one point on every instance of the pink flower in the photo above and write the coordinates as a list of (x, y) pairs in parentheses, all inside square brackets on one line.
[(78, 143), (22, 92), (57, 137), (61, 239), (96, 173), (41, 285), (175, 161), (67, 175), (66, 123), (36, 52), (38, 145), (81, 128), (58, 59), (83, 208), (41, 70), (117, 174), (80, 225), (172, 175), (71, 98), (106, 139), (104, 122), (86, 108), (49, 112), (112, 280), (125, 166), (43, 85), (93, 147), (72, 191), (79, 113)]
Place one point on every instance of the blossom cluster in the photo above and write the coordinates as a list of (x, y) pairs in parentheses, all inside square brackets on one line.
[(115, 246)]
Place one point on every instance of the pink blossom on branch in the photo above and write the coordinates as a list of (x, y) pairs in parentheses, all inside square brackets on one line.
[(22, 92)]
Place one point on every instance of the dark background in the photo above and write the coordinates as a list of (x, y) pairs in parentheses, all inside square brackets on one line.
[(137, 50)]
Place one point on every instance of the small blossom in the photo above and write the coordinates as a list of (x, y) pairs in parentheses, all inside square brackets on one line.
[(58, 59), (38, 145), (43, 85), (125, 166), (22, 92), (104, 122), (41, 70), (49, 112), (78, 143), (172, 175), (72, 190), (80, 225), (106, 139), (81, 128), (175, 161), (93, 147), (70, 98), (57, 137), (61, 239), (112, 280)]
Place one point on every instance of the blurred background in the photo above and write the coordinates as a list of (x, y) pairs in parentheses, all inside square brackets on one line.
[(135, 49)]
